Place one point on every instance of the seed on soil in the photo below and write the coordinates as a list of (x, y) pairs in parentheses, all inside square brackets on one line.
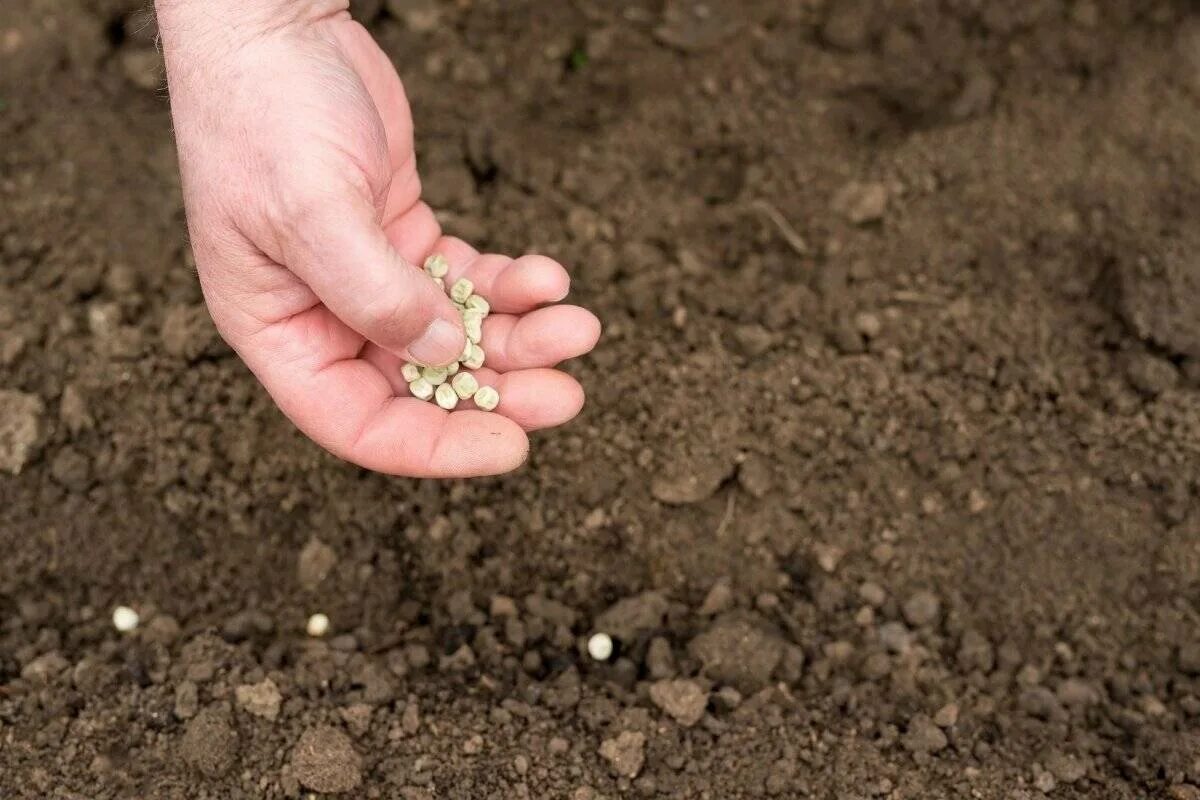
[(437, 266), (410, 372), (487, 398), (600, 646), (125, 619), (446, 397), (465, 385), (421, 389), (317, 625), (461, 290)]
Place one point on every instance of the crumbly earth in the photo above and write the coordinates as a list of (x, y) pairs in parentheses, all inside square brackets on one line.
[(890, 458)]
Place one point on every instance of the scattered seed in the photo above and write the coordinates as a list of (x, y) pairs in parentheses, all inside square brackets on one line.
[(317, 625), (465, 385), (125, 619), (487, 398), (446, 397), (600, 646), (421, 389), (410, 372), (461, 290)]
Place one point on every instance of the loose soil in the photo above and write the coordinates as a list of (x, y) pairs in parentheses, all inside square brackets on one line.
[(886, 487)]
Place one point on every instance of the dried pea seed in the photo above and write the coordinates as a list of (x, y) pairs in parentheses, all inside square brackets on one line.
[(475, 360), (474, 328), (435, 375), (410, 372), (466, 353), (437, 266), (477, 303), (446, 397), (461, 290), (465, 385), (421, 389), (487, 398), (452, 370)]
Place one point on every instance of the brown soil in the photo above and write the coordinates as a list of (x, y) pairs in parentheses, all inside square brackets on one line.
[(887, 485)]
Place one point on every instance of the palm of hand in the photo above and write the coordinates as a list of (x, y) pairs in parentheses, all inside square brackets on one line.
[(309, 271)]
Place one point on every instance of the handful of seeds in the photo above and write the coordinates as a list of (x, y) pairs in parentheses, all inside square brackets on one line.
[(447, 385)]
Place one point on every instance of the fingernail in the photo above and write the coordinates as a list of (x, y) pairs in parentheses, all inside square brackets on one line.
[(438, 345)]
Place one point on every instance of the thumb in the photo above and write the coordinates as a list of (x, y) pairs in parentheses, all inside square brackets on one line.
[(345, 258)]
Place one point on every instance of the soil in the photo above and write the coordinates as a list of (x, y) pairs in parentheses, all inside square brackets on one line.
[(886, 487)]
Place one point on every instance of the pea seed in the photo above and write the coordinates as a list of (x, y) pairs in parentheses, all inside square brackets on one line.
[(474, 327), (437, 266), (410, 372), (465, 385), (461, 290), (446, 397), (487, 398), (477, 303), (475, 360), (421, 389), (435, 375)]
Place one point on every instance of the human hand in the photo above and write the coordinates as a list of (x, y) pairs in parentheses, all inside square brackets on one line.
[(296, 148)]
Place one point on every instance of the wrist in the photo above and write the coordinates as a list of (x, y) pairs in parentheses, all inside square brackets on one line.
[(224, 24)]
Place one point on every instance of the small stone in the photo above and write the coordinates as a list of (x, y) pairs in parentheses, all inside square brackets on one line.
[(1150, 375), (1188, 658), (260, 699), (187, 333), (1076, 693), (660, 660), (682, 700), (1066, 768), (45, 668), (895, 637), (868, 324), (73, 410), (503, 606), (923, 736), (1183, 791), (922, 608), (20, 429), (946, 716), (357, 717), (316, 561), (1040, 702), (1044, 782), (691, 481), (872, 594), (718, 600), (861, 203), (324, 760), (631, 616), (143, 67), (187, 700), (740, 650), (625, 754), (210, 743)]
